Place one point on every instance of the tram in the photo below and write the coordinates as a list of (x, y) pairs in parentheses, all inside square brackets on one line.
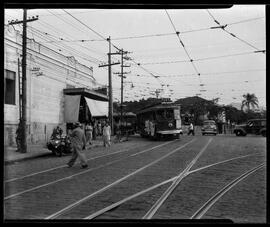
[(160, 120)]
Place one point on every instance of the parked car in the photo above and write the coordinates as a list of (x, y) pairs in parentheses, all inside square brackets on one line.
[(253, 126), (209, 127)]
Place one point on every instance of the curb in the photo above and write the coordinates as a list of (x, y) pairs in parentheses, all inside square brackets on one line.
[(8, 162), (43, 154)]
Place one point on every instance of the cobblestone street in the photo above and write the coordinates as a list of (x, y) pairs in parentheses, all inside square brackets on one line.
[(44, 188)]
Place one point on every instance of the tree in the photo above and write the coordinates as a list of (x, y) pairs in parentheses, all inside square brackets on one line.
[(250, 100)]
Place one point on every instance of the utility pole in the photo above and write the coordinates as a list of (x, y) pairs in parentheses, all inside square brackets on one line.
[(110, 83), (23, 120), (122, 78), (110, 86), (122, 52), (19, 91)]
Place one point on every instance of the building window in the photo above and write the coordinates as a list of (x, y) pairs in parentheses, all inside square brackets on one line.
[(10, 87)]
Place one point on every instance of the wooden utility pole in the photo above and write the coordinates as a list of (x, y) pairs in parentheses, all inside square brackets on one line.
[(23, 120), (122, 76), (110, 114), (110, 86), (122, 52), (19, 91)]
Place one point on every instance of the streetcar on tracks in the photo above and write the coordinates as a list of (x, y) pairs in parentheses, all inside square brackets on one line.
[(159, 121)]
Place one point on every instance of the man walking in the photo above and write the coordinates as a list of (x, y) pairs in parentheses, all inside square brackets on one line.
[(88, 133), (78, 143), (191, 129), (106, 134)]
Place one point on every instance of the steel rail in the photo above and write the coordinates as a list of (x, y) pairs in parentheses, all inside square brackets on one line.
[(80, 173), (114, 205), (202, 210), (71, 206), (175, 183), (62, 166)]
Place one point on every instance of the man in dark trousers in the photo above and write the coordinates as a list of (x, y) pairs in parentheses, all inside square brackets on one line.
[(19, 135), (191, 129), (78, 143)]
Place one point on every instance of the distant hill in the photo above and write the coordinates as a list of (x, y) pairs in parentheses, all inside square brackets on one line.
[(189, 101), (237, 105)]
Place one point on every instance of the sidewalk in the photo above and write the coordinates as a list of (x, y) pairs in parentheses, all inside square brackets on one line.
[(35, 151)]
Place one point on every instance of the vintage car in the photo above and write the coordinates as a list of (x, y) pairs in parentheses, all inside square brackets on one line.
[(253, 126), (209, 127)]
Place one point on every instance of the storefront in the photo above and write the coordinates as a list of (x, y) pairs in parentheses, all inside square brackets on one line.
[(84, 105)]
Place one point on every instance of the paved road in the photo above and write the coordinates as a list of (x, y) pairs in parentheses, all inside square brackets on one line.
[(133, 180)]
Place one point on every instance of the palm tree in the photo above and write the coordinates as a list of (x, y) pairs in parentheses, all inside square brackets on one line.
[(249, 100)]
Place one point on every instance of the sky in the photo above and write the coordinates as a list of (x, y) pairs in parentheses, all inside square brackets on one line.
[(177, 52)]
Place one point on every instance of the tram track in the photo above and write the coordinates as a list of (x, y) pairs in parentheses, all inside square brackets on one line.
[(79, 173), (174, 182), (89, 159), (121, 202), (152, 211), (209, 203), (158, 183), (74, 205)]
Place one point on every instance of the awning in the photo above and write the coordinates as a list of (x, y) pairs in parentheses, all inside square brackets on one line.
[(97, 108), (97, 103), (86, 93), (71, 108)]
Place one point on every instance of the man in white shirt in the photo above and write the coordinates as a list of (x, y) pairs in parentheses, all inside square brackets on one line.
[(191, 129), (107, 135)]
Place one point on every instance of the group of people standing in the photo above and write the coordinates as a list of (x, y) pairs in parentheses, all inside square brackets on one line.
[(98, 129)]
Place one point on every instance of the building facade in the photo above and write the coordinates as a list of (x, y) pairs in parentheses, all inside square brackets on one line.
[(48, 74)]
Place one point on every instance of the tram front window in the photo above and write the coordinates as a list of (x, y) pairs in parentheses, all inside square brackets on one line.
[(169, 114), (166, 114)]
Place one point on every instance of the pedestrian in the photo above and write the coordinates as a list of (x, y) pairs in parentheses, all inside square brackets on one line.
[(191, 129), (118, 131), (99, 126), (219, 124), (88, 133), (94, 130), (56, 132), (19, 135), (107, 134), (78, 143)]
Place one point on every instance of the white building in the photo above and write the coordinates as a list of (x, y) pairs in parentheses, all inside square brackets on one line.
[(48, 74)]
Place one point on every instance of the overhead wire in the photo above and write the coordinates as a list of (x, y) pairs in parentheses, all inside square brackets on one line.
[(65, 21), (68, 49), (98, 34), (200, 59), (247, 20), (80, 12), (216, 73), (197, 59), (79, 53), (80, 73), (57, 30), (181, 42), (146, 36), (223, 28)]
